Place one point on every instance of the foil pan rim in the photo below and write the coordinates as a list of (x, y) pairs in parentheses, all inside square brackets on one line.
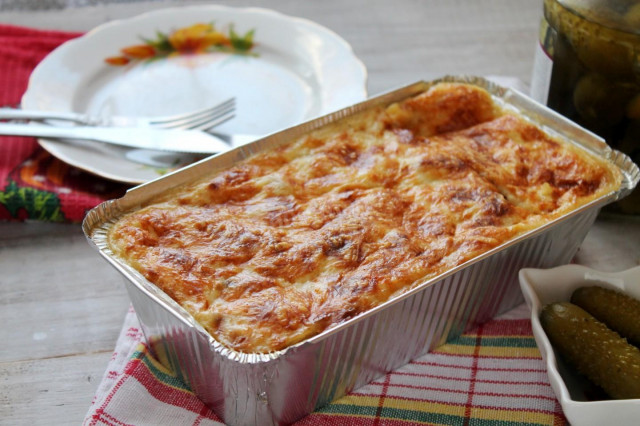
[(98, 220)]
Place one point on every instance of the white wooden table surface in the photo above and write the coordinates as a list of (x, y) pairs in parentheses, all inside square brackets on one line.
[(62, 306)]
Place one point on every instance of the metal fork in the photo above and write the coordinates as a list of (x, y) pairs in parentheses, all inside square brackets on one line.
[(202, 119)]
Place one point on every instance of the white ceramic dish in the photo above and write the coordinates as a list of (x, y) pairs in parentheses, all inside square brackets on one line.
[(543, 286), (299, 70)]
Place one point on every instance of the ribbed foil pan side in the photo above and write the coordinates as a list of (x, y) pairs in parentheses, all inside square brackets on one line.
[(281, 387), (290, 385)]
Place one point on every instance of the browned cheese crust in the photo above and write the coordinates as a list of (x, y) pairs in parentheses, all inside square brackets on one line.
[(293, 241)]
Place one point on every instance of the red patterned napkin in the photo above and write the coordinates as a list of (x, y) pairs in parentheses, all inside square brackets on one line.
[(492, 375), (33, 184)]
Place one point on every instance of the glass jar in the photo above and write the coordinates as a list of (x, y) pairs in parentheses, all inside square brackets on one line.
[(587, 68)]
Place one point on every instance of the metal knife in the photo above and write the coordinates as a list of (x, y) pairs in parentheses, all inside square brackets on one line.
[(174, 140)]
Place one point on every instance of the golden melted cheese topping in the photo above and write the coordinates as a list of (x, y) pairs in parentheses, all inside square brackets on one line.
[(295, 240)]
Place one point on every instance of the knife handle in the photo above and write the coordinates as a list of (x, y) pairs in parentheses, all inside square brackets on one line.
[(21, 114)]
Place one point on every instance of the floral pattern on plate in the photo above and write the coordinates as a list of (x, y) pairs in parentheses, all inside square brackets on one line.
[(195, 39)]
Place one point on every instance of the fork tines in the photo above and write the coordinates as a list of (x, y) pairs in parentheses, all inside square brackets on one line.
[(200, 120)]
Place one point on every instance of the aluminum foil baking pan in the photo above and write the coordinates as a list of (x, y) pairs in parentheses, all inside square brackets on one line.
[(281, 387)]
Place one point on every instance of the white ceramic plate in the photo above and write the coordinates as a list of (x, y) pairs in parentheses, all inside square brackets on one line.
[(300, 70), (543, 286)]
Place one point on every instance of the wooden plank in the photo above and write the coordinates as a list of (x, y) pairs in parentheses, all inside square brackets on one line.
[(612, 244), (58, 297), (54, 391)]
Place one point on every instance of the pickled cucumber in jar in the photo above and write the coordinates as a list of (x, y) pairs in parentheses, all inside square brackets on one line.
[(594, 48)]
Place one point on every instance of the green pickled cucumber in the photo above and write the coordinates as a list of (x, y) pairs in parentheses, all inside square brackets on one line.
[(593, 349), (618, 311)]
